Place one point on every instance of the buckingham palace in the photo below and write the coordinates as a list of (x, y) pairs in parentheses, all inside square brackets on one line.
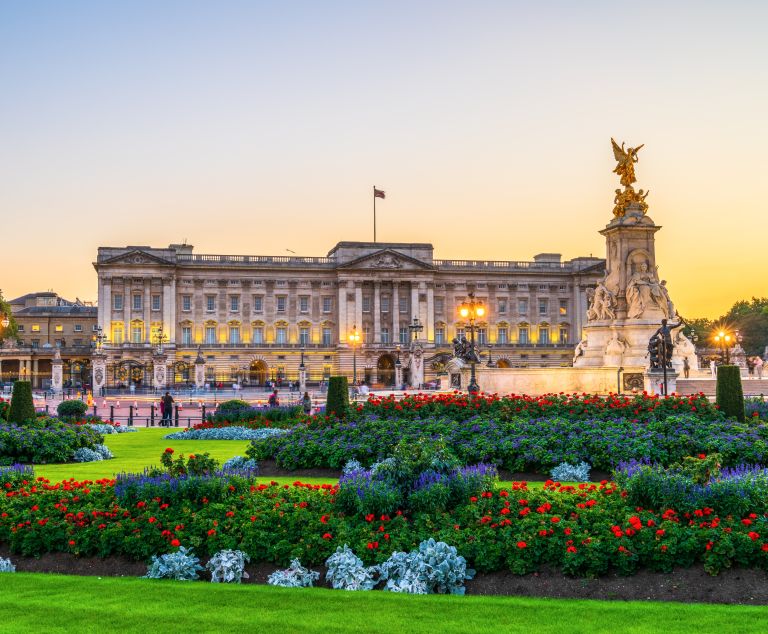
[(251, 319)]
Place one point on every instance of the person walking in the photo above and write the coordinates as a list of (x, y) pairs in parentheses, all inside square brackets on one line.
[(759, 367), (274, 401), (306, 403), (713, 368), (686, 367), (167, 409)]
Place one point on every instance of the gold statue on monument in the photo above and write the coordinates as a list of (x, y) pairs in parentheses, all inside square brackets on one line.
[(625, 168)]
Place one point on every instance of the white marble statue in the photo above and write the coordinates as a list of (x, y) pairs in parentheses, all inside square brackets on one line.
[(579, 351)]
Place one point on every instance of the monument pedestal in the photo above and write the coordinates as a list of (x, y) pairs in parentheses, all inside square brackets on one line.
[(99, 363), (654, 381)]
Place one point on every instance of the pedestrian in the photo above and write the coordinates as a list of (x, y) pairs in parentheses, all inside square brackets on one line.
[(167, 409), (306, 403), (759, 367), (274, 401), (686, 367), (162, 411), (713, 368), (750, 366)]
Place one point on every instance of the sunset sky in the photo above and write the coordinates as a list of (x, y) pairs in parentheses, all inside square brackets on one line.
[(257, 127)]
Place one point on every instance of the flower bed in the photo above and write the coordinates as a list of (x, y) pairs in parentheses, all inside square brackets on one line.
[(585, 530), (521, 443), (47, 440), (227, 433)]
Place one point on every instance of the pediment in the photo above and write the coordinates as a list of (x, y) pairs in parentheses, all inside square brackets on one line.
[(387, 260), (137, 257)]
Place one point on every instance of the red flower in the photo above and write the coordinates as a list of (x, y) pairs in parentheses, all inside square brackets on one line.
[(753, 535), (71, 542), (175, 543), (169, 450), (522, 545), (702, 456), (765, 548), (212, 531), (327, 536)]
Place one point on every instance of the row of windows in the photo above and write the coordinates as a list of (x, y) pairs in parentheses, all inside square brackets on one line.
[(56, 328), (137, 301)]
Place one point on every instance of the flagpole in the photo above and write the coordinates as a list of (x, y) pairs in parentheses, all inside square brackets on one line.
[(374, 213)]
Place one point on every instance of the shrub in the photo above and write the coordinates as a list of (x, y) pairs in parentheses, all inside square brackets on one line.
[(22, 408), (227, 433), (6, 565), (45, 441), (228, 566), (350, 466), (730, 394), (132, 488), (565, 472), (337, 402), (233, 405), (99, 452), (196, 464), (756, 407), (435, 568), (181, 566), (282, 416), (296, 576), (347, 572), (72, 409), (239, 463)]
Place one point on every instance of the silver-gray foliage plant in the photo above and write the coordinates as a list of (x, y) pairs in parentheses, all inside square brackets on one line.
[(435, 567), (181, 565), (6, 565), (228, 566), (99, 452), (351, 466), (347, 572), (296, 576), (565, 472)]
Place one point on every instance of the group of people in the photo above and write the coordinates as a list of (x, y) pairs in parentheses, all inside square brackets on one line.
[(754, 364), (306, 401)]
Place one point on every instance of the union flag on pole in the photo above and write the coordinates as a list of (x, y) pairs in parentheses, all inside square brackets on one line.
[(377, 193)]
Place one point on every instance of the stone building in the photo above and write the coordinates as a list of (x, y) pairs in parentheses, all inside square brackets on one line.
[(255, 318), (46, 323)]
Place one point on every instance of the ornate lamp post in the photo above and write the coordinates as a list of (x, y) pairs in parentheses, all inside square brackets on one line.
[(99, 339), (302, 372), (415, 327), (490, 355), (398, 370), (4, 321), (471, 310), (354, 339), (160, 339), (723, 339)]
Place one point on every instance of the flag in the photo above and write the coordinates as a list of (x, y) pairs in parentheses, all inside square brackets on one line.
[(377, 193)]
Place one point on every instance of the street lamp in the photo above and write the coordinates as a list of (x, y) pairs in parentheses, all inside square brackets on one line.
[(5, 322), (99, 338), (398, 370), (354, 338), (415, 328), (723, 339), (160, 338), (471, 310), (490, 355)]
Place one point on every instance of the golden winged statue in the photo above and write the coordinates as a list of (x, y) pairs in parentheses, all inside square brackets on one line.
[(625, 160)]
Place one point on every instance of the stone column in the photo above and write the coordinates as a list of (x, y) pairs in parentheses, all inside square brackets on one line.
[(35, 377), (172, 311), (430, 331), (127, 299), (99, 366), (394, 305), (167, 308), (160, 379), (414, 300), (302, 378), (359, 307), (342, 312), (57, 372), (377, 312), (199, 370), (147, 313), (398, 375), (105, 313)]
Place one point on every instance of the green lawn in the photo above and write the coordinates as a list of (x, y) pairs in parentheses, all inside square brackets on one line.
[(58, 603)]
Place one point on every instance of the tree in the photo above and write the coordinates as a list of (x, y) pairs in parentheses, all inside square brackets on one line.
[(730, 394), (12, 331), (751, 320), (337, 403), (22, 406)]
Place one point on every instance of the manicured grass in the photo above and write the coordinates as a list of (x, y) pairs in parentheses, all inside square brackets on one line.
[(54, 603)]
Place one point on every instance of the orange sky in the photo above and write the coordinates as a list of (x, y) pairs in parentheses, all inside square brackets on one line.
[(256, 128)]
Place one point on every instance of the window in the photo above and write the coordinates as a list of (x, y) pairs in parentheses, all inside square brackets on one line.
[(522, 334), (367, 334), (234, 303), (35, 343), (78, 342), (439, 305), (258, 334), (186, 336), (210, 303), (138, 304), (543, 306), (403, 304), (117, 301), (482, 336), (459, 332), (20, 327), (522, 305), (385, 335), (35, 327), (544, 335), (58, 328), (78, 327), (186, 303), (366, 304), (385, 303), (563, 306), (234, 334), (403, 334), (210, 334), (137, 333), (281, 303), (281, 335), (563, 288), (304, 304), (117, 335), (326, 336), (95, 327), (258, 304), (439, 335), (563, 334), (155, 302), (502, 307), (327, 304), (543, 287), (304, 336), (501, 337)]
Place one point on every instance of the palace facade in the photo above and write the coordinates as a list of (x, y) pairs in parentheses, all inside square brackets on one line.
[(256, 318)]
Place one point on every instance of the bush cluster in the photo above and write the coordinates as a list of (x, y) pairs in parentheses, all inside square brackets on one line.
[(22, 409), (226, 433), (72, 410), (45, 441)]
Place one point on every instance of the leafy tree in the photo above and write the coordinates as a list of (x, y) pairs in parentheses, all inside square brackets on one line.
[(750, 318), (12, 331)]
